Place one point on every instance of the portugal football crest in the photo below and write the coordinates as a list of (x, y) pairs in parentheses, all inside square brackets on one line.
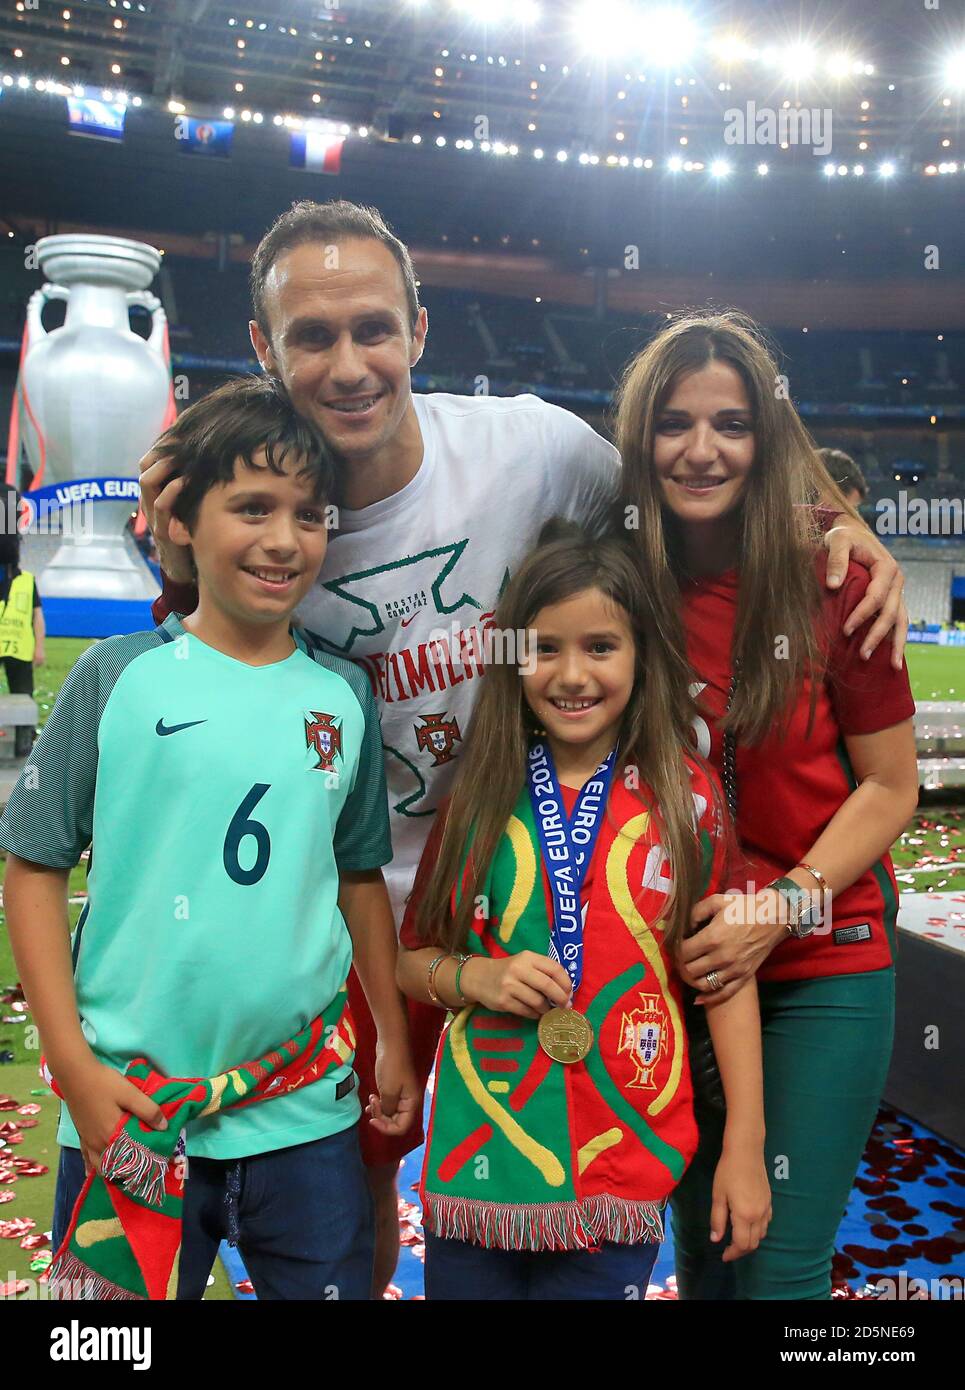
[(438, 735), (644, 1036), (322, 735)]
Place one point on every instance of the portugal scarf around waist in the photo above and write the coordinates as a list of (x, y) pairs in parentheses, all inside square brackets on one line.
[(125, 1231)]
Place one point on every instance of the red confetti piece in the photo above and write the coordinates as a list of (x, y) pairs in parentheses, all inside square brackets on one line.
[(245, 1286), (392, 1292), (13, 1287), (9, 1127), (35, 1242), (27, 1168), (14, 1138), (29, 1124), (7, 1103), (6, 1195), (19, 1226), (31, 1108)]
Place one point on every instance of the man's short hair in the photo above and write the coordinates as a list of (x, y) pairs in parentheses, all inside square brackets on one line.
[(328, 224), (844, 471), (236, 421)]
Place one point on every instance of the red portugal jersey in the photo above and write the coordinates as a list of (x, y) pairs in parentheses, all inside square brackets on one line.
[(789, 789)]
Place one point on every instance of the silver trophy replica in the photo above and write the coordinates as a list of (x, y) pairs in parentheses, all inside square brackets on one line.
[(93, 396)]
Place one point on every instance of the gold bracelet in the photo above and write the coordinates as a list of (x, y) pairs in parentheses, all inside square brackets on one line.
[(431, 982), (816, 874)]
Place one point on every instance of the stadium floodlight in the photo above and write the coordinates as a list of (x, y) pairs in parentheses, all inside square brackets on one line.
[(363, 131), (675, 164), (763, 170), (562, 156), (954, 70), (487, 11), (842, 169), (731, 48), (840, 64), (441, 141), (537, 154), (605, 28), (858, 170), (666, 36), (228, 113), (886, 170), (830, 170), (417, 139), (798, 60), (720, 168)]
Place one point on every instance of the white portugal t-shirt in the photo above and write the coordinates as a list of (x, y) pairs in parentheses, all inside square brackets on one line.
[(434, 558)]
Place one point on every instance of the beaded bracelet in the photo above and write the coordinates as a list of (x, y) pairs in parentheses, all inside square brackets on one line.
[(462, 961)]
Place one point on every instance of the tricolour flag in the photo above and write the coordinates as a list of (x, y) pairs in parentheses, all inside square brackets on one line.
[(317, 151)]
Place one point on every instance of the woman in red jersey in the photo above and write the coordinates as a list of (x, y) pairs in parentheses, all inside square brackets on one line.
[(815, 745)]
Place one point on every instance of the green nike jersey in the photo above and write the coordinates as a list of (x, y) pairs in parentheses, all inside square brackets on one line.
[(221, 801)]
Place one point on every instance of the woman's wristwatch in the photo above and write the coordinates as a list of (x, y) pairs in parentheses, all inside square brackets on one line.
[(803, 913)]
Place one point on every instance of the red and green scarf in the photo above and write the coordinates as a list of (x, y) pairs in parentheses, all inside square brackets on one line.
[(525, 1153), (124, 1238)]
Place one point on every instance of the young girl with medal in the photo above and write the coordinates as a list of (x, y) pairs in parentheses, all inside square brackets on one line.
[(554, 885), (812, 730)]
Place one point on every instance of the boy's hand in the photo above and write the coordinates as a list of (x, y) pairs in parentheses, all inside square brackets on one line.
[(527, 984), (40, 656), (393, 1109), (158, 495), (98, 1099), (742, 1194)]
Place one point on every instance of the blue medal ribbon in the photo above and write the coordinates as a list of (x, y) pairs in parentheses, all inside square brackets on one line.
[(567, 847)]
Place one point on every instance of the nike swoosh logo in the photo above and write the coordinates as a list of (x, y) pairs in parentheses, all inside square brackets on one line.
[(161, 728), (407, 621)]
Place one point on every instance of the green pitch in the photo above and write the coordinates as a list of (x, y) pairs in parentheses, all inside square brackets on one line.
[(937, 673)]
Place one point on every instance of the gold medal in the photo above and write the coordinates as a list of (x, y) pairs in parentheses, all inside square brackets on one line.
[(565, 1035)]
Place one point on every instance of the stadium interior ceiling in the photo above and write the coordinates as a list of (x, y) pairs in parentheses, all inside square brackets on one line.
[(812, 247)]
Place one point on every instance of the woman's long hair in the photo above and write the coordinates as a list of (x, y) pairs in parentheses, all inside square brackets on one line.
[(777, 639), (654, 734)]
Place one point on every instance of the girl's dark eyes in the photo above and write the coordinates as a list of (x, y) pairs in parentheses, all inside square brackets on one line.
[(728, 427), (547, 648)]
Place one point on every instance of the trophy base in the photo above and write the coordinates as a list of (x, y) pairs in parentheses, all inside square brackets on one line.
[(103, 568)]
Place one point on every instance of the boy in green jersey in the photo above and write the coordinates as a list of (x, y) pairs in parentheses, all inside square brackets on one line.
[(229, 777)]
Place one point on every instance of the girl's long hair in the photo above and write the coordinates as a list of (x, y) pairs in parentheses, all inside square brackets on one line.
[(654, 734), (777, 639)]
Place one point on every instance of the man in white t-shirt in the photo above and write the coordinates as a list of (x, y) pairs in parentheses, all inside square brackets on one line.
[(441, 498)]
